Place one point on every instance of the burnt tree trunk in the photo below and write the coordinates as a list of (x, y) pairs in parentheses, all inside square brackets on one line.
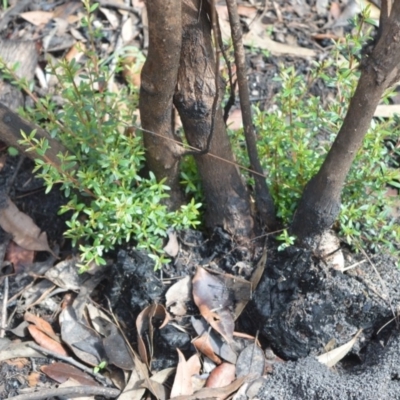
[(320, 203), (227, 200), (158, 80)]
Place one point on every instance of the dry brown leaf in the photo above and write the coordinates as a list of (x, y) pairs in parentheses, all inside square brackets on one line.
[(22, 259), (335, 11), (33, 379), (221, 376), (76, 52), (163, 375), (128, 30), (145, 329), (131, 71), (203, 345), (37, 18), (42, 325), (257, 37), (183, 378), (111, 16), (117, 350), (172, 247), (25, 232), (178, 295), (218, 344), (131, 390), (264, 42), (247, 11), (45, 341), (85, 342), (214, 302), (3, 159), (235, 121), (215, 393), (251, 360), (61, 372), (18, 362), (332, 357)]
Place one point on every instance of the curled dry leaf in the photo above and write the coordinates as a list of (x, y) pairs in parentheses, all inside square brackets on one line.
[(203, 345), (45, 341), (22, 259), (239, 290), (178, 295), (37, 18), (183, 379), (221, 393), (33, 379), (172, 247), (25, 232), (221, 376), (219, 346), (42, 325), (332, 357), (213, 299), (145, 328)]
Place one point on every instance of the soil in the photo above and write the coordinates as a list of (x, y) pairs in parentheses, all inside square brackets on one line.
[(301, 306)]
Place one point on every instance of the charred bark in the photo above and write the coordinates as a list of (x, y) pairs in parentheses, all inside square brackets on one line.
[(227, 200), (158, 80), (320, 203)]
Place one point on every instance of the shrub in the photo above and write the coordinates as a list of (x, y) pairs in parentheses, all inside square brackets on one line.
[(109, 201)]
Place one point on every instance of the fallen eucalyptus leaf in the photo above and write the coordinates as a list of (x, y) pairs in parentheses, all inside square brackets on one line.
[(332, 357)]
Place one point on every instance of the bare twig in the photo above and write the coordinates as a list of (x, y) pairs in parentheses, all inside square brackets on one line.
[(11, 125), (4, 309), (263, 198), (73, 362), (76, 391)]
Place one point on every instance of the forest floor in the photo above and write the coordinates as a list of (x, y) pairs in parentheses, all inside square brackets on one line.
[(114, 331)]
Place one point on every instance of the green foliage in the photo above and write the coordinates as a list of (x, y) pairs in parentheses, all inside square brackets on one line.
[(109, 201), (297, 133), (285, 239)]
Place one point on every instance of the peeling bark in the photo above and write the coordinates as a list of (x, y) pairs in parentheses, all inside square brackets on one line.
[(227, 199), (320, 203), (158, 80)]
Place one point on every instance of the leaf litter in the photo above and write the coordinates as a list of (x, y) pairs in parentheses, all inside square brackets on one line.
[(92, 337)]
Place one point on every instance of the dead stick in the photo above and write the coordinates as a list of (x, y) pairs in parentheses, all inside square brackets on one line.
[(11, 125), (263, 198), (76, 391), (3, 324)]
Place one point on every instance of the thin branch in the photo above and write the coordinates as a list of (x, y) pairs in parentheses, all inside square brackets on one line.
[(263, 198), (196, 151), (3, 324), (77, 391)]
